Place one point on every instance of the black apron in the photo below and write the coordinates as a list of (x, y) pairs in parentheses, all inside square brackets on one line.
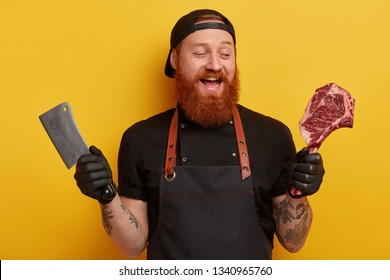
[(207, 212)]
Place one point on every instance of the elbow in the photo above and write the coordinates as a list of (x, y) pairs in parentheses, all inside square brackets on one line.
[(133, 253), (130, 249), (293, 248)]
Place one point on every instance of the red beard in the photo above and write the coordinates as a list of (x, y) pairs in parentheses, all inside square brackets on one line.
[(210, 110)]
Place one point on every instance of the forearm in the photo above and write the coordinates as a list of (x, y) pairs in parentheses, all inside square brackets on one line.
[(123, 227), (293, 221)]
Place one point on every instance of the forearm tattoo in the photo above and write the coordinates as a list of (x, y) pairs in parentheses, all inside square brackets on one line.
[(285, 213), (132, 218), (106, 215)]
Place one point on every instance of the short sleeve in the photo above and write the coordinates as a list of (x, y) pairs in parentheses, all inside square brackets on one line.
[(129, 175)]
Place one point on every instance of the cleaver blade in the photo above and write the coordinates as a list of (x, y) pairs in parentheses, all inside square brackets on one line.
[(61, 127)]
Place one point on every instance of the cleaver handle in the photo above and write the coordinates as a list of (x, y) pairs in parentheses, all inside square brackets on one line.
[(108, 193)]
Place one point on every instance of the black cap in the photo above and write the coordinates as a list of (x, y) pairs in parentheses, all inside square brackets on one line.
[(187, 25)]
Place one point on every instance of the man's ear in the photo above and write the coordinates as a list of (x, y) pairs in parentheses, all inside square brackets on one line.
[(173, 58)]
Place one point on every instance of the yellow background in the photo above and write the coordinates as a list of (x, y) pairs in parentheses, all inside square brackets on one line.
[(106, 58)]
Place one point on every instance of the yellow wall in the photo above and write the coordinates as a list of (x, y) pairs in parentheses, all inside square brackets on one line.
[(106, 58)]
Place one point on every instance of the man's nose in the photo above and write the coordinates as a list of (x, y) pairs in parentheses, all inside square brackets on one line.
[(213, 63)]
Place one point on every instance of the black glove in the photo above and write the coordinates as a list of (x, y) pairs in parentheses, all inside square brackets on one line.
[(93, 176), (306, 172)]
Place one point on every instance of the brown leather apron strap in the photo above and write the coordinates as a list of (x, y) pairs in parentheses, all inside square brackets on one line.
[(170, 159), (241, 143)]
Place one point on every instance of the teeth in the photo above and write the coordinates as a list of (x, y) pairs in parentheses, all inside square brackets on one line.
[(211, 82)]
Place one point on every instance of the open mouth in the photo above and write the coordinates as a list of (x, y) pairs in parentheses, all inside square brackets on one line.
[(211, 83)]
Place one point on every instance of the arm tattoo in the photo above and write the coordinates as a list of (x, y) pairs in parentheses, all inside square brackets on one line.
[(285, 213), (107, 215), (132, 218)]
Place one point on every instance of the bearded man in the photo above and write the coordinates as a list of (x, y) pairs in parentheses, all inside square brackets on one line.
[(209, 179)]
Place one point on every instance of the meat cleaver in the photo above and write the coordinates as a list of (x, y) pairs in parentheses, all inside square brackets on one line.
[(61, 127)]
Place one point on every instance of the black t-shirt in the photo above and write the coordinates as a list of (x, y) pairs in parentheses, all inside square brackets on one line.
[(143, 149)]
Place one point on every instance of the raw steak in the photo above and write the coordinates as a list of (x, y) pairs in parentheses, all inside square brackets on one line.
[(330, 108)]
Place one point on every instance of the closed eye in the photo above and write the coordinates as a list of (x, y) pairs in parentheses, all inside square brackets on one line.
[(199, 54)]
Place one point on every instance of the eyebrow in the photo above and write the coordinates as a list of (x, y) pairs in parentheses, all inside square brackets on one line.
[(205, 44)]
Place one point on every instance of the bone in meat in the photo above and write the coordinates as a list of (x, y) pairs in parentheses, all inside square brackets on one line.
[(330, 108)]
